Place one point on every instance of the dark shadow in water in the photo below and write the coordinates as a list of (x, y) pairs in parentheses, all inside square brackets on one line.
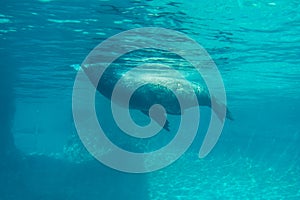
[(9, 157), (7, 73), (55, 179)]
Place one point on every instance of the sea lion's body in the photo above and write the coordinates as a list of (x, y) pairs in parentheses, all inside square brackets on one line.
[(161, 90), (157, 89)]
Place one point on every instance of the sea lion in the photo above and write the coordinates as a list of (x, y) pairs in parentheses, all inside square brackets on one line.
[(157, 88)]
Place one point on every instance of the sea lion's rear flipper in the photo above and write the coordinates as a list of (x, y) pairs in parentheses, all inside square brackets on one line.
[(165, 126), (218, 110), (229, 115)]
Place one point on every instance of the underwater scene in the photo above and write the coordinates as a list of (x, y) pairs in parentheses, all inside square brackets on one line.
[(149, 100)]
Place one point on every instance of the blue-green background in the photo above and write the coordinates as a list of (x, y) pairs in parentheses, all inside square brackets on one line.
[(254, 43)]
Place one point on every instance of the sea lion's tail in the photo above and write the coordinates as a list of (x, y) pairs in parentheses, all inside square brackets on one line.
[(219, 106), (229, 115)]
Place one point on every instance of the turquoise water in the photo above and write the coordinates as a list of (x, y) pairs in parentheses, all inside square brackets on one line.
[(256, 46)]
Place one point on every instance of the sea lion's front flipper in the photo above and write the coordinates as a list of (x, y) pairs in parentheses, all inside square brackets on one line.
[(165, 126)]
